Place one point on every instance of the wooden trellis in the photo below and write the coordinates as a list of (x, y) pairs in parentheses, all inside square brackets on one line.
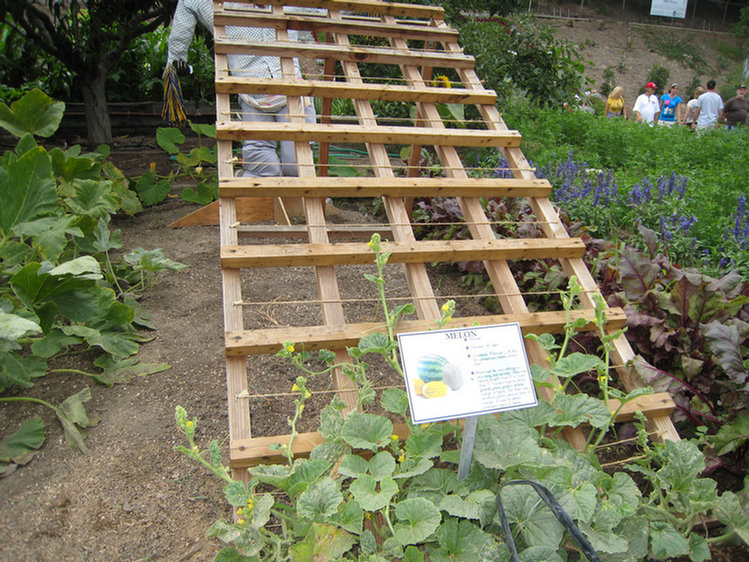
[(416, 41)]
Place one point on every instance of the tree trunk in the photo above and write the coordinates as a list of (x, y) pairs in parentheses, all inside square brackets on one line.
[(97, 114)]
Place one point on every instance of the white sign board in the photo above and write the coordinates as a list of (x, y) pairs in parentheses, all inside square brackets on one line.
[(466, 372), (669, 8)]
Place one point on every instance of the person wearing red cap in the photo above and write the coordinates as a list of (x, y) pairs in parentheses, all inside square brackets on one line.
[(647, 109)]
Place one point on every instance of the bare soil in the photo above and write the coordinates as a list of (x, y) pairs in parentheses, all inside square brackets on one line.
[(132, 498)]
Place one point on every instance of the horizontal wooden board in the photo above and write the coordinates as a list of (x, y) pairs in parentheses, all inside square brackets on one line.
[(355, 53), (364, 7), (259, 450), (324, 132), (330, 89), (347, 26), (376, 187), (423, 251), (334, 231), (314, 338)]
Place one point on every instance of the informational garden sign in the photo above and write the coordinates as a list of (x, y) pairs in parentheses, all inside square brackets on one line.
[(466, 372), (669, 8)]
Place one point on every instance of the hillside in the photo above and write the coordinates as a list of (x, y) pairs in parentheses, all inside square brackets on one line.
[(625, 46)]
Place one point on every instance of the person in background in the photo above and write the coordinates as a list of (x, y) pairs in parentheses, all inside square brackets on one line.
[(708, 110), (670, 107), (736, 109), (259, 157), (691, 106), (615, 106), (647, 108)]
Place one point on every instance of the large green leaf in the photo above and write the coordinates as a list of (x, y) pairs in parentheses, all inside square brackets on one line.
[(353, 466), (68, 165), (168, 138), (349, 517), (635, 532), (479, 505), (684, 461), (305, 473), (574, 364), (577, 409), (382, 465), (202, 195), (369, 495), (580, 502), (323, 543), (17, 370), (93, 198), (117, 344), (274, 474), (151, 191), (665, 541), (27, 189), (532, 519), (417, 519), (495, 448), (730, 512), (367, 431), (426, 444), (152, 261), (18, 445), (460, 541), (13, 327), (49, 235), (395, 400), (34, 113), (540, 554), (320, 500), (73, 417)]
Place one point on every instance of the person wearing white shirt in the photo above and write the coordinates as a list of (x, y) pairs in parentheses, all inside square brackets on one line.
[(647, 107), (259, 157), (709, 108)]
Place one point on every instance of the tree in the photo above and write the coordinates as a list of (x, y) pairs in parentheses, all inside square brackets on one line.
[(88, 37)]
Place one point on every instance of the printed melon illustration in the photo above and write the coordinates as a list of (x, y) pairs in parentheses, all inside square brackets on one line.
[(436, 376), (452, 376), (430, 367)]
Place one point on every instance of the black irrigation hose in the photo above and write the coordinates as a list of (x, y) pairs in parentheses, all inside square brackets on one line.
[(558, 512)]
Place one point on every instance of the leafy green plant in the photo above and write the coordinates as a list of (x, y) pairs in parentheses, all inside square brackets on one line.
[(659, 74), (61, 289), (192, 165), (520, 54), (368, 494)]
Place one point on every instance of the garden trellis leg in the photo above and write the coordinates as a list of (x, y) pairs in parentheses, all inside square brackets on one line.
[(399, 26)]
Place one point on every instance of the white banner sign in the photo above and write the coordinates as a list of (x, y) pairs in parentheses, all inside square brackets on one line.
[(669, 8), (466, 372)]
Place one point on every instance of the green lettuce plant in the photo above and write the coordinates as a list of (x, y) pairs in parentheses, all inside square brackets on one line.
[(369, 494)]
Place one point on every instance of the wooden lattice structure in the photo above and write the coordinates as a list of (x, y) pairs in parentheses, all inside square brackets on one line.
[(415, 40)]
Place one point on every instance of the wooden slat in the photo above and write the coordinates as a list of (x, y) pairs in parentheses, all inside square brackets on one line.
[(423, 251), (335, 231), (381, 55), (322, 132), (259, 450), (375, 187), (363, 6), (317, 24), (314, 338), (329, 89)]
